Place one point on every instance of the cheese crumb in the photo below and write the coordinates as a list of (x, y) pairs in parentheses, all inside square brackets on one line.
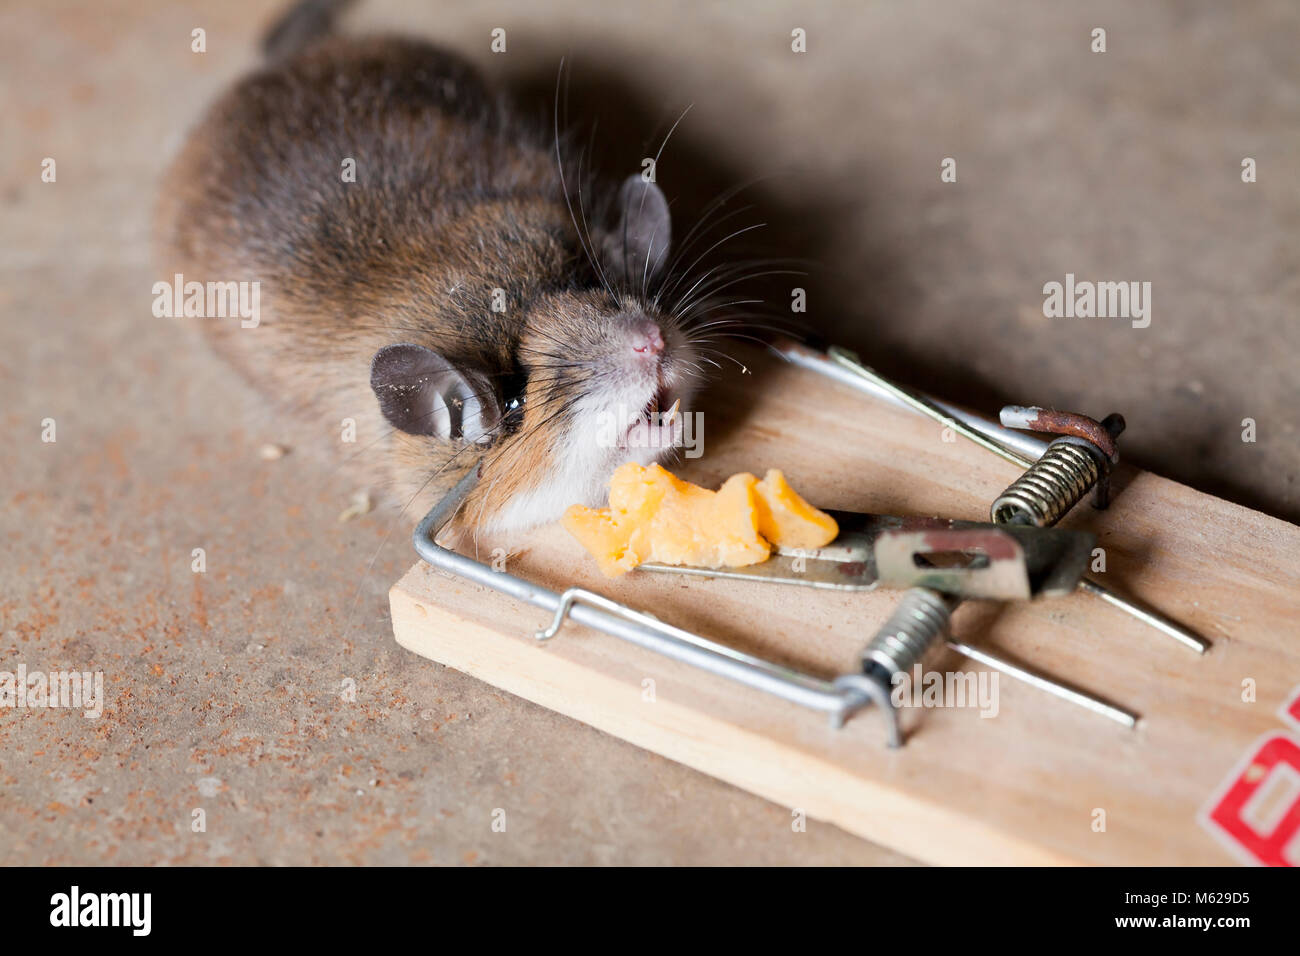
[(655, 516)]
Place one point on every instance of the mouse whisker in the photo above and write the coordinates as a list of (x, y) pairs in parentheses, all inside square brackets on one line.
[(687, 322), (584, 241), (744, 320), (687, 244), (723, 271), (582, 211), (724, 239), (703, 223), (718, 284)]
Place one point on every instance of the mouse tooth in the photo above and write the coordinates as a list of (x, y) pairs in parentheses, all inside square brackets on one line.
[(670, 416)]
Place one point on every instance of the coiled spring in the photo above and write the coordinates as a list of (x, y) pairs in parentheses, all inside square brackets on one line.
[(919, 620), (1052, 486)]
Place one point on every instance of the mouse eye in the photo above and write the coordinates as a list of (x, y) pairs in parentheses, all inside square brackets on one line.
[(514, 415), (513, 389)]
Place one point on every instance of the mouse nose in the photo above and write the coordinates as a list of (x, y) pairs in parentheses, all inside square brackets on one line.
[(646, 337)]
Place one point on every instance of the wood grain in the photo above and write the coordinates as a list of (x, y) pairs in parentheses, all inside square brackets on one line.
[(1020, 787)]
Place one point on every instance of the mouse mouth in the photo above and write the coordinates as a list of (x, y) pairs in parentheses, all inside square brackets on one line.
[(658, 402), (659, 423)]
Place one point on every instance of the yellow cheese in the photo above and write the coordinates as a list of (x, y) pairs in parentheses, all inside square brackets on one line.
[(599, 534), (655, 516), (787, 520)]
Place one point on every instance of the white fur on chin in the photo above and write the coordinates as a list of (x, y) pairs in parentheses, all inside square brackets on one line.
[(581, 472)]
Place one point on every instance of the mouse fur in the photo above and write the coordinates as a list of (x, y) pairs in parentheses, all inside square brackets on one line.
[(449, 300)]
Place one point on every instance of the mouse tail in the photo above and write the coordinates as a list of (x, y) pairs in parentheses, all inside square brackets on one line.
[(301, 25)]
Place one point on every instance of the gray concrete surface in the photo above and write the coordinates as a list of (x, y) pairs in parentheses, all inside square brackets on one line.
[(224, 688)]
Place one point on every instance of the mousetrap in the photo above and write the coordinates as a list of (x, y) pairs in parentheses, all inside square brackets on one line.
[(801, 649)]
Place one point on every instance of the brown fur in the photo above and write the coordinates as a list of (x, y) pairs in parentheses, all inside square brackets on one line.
[(453, 198)]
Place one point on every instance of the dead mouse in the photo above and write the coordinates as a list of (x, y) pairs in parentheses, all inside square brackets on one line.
[(448, 295)]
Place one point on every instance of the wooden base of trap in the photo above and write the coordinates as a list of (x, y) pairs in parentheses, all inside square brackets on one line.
[(1028, 786)]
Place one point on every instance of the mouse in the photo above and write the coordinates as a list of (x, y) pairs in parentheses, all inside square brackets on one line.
[(430, 267)]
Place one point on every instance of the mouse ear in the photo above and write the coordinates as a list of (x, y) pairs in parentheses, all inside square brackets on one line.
[(637, 245), (422, 393)]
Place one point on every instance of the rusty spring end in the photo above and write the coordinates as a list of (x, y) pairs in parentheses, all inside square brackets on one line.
[(1072, 465)]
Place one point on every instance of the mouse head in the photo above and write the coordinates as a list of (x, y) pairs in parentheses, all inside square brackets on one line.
[(597, 374)]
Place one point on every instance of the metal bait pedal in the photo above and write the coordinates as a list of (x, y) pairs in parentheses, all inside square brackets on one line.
[(964, 558)]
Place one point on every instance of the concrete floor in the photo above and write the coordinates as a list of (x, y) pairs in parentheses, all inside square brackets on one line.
[(224, 689)]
